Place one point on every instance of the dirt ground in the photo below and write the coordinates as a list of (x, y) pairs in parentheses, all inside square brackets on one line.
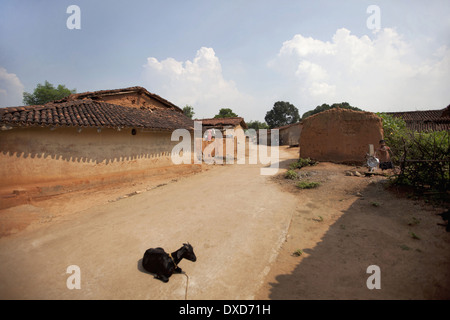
[(245, 229), (349, 223), (235, 218)]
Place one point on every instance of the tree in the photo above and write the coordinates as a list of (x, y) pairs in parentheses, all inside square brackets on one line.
[(257, 125), (283, 113), (46, 93), (225, 113), (324, 107), (188, 111)]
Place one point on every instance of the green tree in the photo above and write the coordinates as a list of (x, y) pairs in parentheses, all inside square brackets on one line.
[(188, 111), (226, 113), (46, 93), (257, 125), (324, 107), (282, 113)]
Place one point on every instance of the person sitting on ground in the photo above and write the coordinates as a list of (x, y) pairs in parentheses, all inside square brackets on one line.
[(383, 153)]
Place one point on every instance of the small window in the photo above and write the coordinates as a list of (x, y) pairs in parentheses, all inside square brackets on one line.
[(133, 132)]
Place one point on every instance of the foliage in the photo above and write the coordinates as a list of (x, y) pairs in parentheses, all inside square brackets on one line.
[(414, 236), (225, 113), (188, 111), (395, 133), (423, 157), (46, 93), (282, 113), (324, 107), (307, 184), (302, 163), (426, 160), (257, 125), (291, 174)]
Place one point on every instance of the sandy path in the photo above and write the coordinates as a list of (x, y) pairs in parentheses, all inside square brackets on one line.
[(235, 218)]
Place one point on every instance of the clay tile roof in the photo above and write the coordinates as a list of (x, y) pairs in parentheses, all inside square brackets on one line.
[(232, 121), (427, 120), (90, 113)]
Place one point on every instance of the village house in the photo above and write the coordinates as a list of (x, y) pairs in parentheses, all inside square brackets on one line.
[(427, 120), (235, 125), (224, 123), (289, 134), (89, 138), (340, 135)]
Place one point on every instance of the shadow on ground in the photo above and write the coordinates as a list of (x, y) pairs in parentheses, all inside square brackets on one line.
[(399, 235)]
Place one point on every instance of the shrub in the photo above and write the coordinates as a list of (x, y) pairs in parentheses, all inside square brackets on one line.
[(423, 157), (302, 163), (307, 185), (425, 162), (291, 174)]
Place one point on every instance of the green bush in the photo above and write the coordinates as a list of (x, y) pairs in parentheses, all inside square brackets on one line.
[(302, 163), (426, 160), (423, 157), (291, 174), (395, 133), (307, 185)]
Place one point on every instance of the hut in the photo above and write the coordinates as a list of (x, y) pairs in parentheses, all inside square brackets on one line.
[(340, 135), (89, 138)]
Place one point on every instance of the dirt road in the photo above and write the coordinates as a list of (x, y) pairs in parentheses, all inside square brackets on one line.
[(244, 228), (235, 218)]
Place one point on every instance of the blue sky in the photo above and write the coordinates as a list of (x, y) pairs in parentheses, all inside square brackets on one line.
[(244, 55)]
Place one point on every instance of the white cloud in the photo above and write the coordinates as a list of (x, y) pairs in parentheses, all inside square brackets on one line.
[(199, 83), (11, 89), (380, 74)]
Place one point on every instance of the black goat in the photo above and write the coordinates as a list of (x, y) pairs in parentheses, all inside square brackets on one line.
[(163, 264)]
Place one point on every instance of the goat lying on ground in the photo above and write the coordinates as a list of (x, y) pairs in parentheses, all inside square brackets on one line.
[(163, 264)]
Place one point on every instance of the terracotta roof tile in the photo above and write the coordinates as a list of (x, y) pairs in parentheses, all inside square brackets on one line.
[(427, 120), (89, 113)]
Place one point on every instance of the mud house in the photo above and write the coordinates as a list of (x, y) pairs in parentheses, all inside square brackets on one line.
[(289, 135), (88, 138), (340, 135), (235, 136)]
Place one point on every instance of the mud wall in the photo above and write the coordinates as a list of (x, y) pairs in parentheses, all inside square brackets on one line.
[(40, 155), (290, 135), (340, 135), (134, 100)]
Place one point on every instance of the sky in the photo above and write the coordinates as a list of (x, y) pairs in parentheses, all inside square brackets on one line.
[(245, 55)]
